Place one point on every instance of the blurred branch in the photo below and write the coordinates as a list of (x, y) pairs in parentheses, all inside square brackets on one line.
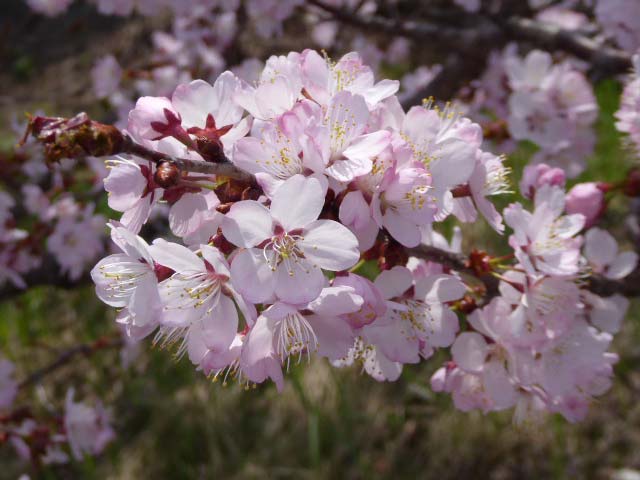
[(85, 349), (604, 59), (47, 274), (474, 39), (460, 37)]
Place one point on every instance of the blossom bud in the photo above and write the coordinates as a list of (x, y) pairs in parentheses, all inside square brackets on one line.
[(392, 254), (535, 176), (221, 243), (587, 199), (632, 183), (75, 137), (167, 175)]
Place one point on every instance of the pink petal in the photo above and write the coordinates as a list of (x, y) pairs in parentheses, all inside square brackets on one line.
[(337, 300), (623, 265), (247, 224), (334, 335), (297, 202), (394, 283), (354, 210), (330, 245), (470, 351), (176, 257), (302, 284), (440, 289), (403, 230), (251, 276)]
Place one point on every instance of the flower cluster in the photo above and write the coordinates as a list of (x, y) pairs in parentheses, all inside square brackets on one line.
[(82, 430), (268, 269), (54, 220), (629, 113), (552, 106), (336, 162), (541, 344)]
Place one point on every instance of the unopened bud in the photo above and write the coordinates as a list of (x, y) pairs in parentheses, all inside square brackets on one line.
[(632, 183), (392, 254), (167, 175), (535, 176), (587, 199)]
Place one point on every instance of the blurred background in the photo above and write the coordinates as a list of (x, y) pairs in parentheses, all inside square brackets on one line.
[(172, 422)]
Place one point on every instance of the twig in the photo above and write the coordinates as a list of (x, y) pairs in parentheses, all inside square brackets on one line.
[(484, 28), (67, 356), (226, 168), (598, 284), (602, 58)]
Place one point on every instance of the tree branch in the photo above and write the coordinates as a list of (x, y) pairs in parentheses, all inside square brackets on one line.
[(602, 58), (483, 30), (475, 35), (598, 284), (80, 136), (68, 356), (226, 168)]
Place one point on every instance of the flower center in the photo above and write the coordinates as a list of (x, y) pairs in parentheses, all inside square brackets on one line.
[(295, 336), (284, 249)]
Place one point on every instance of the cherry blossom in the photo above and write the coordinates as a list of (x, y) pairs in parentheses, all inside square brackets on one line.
[(8, 386), (88, 429), (285, 246)]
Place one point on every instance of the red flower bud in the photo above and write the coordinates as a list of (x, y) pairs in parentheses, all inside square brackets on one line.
[(167, 175)]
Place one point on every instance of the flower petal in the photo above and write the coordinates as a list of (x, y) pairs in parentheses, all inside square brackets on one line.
[(470, 351), (251, 276), (247, 224), (330, 245), (300, 284), (297, 202)]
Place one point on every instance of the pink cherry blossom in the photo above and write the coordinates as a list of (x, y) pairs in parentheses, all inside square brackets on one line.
[(586, 199), (8, 385), (285, 247), (534, 176), (415, 324), (127, 280), (132, 190), (75, 243), (87, 428), (198, 300), (545, 240), (601, 251), (323, 79)]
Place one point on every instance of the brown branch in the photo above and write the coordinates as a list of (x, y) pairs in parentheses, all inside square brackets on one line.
[(598, 284), (47, 274), (491, 31), (225, 169), (85, 349), (80, 136), (604, 59), (483, 30)]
